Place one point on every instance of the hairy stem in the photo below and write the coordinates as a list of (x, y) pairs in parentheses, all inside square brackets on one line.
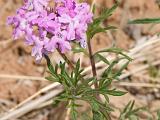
[(66, 59), (92, 61)]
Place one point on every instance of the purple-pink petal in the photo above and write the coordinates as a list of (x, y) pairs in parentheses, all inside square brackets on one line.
[(46, 28)]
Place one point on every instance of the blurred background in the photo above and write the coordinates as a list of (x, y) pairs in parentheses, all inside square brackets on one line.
[(21, 77)]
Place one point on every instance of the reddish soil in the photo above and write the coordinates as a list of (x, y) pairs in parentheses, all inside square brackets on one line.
[(15, 58)]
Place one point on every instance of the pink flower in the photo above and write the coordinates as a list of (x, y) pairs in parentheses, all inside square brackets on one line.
[(38, 50), (59, 41), (36, 5), (47, 29)]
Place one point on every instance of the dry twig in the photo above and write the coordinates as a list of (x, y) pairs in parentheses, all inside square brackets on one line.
[(30, 106)]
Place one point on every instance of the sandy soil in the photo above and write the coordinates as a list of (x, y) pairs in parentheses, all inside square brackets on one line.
[(15, 58)]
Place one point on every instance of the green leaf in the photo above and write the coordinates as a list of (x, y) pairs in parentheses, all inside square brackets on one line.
[(78, 49), (100, 29), (145, 21), (74, 114), (135, 111), (56, 69), (115, 50), (49, 64), (106, 97), (110, 28), (129, 112), (95, 26), (77, 72), (53, 71), (60, 98), (94, 9), (67, 80), (96, 30), (127, 107), (153, 70), (132, 105), (133, 117), (119, 72), (62, 66), (53, 79), (102, 58), (113, 92), (95, 105), (88, 80), (108, 72), (158, 114), (85, 116), (97, 115), (108, 12), (107, 82)]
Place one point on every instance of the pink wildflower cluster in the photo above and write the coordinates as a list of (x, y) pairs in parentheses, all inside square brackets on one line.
[(48, 28)]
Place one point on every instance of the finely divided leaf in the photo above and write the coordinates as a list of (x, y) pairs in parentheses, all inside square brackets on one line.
[(102, 58), (145, 21)]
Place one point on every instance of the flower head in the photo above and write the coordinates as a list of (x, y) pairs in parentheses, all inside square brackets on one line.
[(47, 29)]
